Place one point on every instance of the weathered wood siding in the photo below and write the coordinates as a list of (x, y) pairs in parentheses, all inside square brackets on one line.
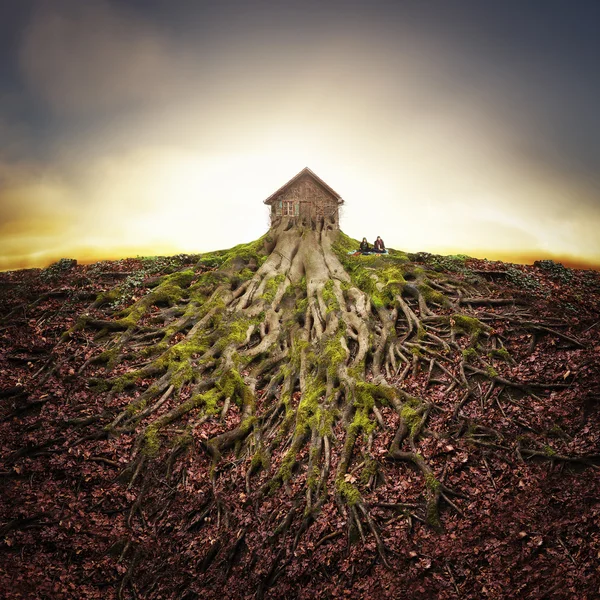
[(308, 201)]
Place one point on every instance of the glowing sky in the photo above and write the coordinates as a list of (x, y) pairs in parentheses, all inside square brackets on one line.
[(158, 126)]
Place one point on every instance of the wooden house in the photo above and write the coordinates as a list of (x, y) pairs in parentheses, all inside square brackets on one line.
[(305, 200)]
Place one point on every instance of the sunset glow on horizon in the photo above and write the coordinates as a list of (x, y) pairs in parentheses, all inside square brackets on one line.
[(132, 128)]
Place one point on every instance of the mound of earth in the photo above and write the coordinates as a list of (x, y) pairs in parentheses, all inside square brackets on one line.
[(286, 419)]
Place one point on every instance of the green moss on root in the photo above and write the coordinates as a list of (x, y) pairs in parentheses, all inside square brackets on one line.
[(271, 287), (549, 451), (329, 297), (491, 371), (361, 424), (469, 354), (432, 296), (469, 326), (500, 353), (334, 354), (108, 297), (347, 491), (124, 381), (411, 417), (368, 471), (308, 410), (151, 443), (170, 291), (260, 460), (232, 385)]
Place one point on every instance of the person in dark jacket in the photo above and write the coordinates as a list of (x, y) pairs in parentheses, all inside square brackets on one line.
[(364, 246), (379, 246)]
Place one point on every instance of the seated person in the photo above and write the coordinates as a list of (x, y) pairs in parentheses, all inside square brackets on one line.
[(364, 246), (379, 246)]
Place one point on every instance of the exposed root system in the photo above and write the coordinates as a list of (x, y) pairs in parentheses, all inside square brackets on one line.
[(286, 392)]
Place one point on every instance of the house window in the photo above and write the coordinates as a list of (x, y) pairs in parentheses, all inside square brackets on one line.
[(287, 208), (290, 208)]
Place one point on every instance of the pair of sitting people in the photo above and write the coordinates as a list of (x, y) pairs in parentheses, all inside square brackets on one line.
[(378, 246)]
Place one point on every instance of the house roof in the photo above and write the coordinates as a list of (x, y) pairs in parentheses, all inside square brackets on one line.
[(316, 178)]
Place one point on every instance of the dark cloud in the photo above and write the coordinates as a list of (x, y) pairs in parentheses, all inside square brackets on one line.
[(90, 57)]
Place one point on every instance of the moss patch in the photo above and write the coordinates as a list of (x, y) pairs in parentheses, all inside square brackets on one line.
[(260, 460), (469, 354), (411, 417), (151, 443), (271, 287), (253, 252), (470, 326), (334, 354), (231, 385), (491, 371), (329, 297), (171, 289), (347, 491), (432, 296), (500, 353)]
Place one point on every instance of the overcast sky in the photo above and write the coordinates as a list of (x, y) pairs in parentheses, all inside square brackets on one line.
[(159, 126)]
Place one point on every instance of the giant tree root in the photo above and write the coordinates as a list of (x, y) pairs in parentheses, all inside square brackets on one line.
[(285, 367)]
